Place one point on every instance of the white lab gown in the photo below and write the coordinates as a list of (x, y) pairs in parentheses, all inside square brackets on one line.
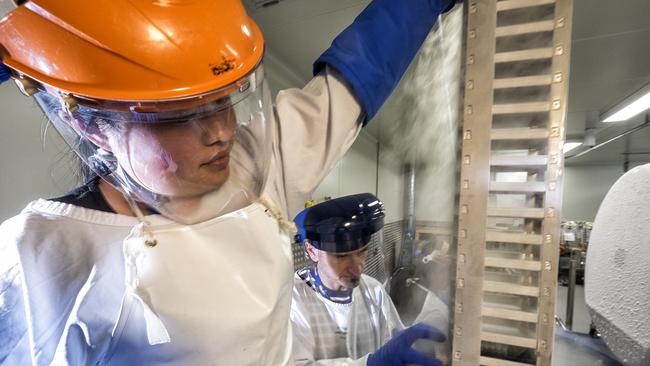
[(62, 272), (330, 333)]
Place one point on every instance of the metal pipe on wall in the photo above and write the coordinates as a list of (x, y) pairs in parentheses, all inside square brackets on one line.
[(622, 134), (406, 254), (571, 293)]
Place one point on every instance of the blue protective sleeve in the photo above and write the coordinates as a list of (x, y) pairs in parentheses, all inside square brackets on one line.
[(5, 73), (374, 52)]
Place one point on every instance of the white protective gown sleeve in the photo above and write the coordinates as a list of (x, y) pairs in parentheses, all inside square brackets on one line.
[(317, 125), (329, 333), (72, 265)]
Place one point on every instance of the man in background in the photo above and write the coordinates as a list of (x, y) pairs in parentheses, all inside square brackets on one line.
[(340, 315)]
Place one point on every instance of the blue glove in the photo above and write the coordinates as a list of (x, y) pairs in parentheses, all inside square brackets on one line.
[(5, 73), (398, 350), (373, 53)]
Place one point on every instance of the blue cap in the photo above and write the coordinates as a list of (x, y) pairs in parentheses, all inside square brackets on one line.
[(341, 225), (5, 73)]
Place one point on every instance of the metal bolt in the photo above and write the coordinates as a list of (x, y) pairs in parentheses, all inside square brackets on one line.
[(470, 84), (551, 186), (559, 50), (557, 77), (560, 23), (459, 331), (556, 104), (547, 265), (26, 87), (467, 160), (244, 86), (461, 283), (472, 33), (470, 60), (473, 8), (548, 238), (69, 104), (468, 135), (555, 132), (459, 307), (470, 109)]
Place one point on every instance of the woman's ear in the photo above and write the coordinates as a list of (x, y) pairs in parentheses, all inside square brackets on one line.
[(90, 132)]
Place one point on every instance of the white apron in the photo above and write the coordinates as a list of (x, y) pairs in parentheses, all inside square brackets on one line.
[(214, 293)]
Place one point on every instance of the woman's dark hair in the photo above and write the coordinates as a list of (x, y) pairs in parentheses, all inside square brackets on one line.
[(51, 106)]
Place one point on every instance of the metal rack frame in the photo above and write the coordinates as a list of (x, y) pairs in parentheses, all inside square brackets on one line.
[(543, 164)]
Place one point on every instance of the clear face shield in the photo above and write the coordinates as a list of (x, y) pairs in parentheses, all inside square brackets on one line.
[(372, 320), (189, 159)]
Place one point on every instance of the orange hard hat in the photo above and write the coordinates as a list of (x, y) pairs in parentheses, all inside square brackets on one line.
[(131, 50)]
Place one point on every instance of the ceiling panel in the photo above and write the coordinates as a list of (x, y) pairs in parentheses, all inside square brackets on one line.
[(600, 62), (597, 18)]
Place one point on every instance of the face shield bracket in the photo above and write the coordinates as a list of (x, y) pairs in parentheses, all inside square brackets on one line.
[(26, 86)]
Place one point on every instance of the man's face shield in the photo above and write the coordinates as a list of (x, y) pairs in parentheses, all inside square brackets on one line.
[(190, 159), (344, 224)]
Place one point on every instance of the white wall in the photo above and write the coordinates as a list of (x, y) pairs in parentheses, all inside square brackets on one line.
[(359, 172), (585, 187), (355, 173), (391, 184), (33, 161)]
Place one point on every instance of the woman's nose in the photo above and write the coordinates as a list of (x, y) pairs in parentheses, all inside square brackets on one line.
[(217, 130)]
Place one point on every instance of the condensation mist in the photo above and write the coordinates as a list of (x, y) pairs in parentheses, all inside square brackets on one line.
[(419, 140)]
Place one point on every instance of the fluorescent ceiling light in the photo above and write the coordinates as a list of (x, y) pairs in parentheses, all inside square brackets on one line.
[(568, 146), (636, 103)]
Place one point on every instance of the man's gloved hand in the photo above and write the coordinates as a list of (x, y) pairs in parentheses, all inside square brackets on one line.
[(398, 350)]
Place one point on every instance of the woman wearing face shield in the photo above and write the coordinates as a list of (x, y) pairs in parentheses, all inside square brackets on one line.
[(179, 251)]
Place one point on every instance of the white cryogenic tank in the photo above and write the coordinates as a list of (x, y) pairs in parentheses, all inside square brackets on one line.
[(617, 276)]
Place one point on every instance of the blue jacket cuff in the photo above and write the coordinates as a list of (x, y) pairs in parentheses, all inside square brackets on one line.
[(5, 73), (373, 53)]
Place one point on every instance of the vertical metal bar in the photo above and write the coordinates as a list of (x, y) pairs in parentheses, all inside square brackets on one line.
[(474, 181), (571, 293), (549, 252), (406, 255)]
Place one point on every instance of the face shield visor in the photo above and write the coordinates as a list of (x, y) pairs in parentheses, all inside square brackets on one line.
[(189, 159), (341, 225)]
